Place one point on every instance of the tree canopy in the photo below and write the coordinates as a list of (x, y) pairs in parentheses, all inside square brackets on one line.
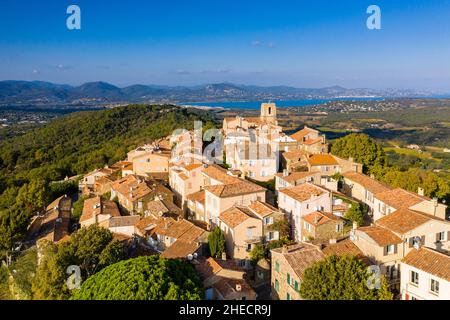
[(216, 241), (91, 249), (341, 278), (143, 278), (355, 213), (362, 149)]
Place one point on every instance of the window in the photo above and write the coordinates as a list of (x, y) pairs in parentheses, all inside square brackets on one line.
[(268, 220), (249, 233), (277, 266), (390, 249), (338, 227), (296, 286), (307, 226), (277, 285), (434, 286), (288, 296), (440, 237), (414, 278), (249, 247), (288, 278), (264, 173)]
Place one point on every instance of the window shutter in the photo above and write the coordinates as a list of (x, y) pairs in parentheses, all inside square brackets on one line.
[(422, 240), (411, 242), (437, 237), (448, 236), (384, 250), (395, 248)]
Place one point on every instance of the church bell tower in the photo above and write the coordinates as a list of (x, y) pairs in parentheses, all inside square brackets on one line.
[(269, 113)]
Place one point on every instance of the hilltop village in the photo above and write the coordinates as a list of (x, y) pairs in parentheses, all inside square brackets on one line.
[(266, 188)]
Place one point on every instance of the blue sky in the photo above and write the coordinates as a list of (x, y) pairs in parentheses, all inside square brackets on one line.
[(303, 43)]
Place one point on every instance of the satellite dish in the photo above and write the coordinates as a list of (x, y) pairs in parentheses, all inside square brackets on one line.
[(190, 257), (195, 255)]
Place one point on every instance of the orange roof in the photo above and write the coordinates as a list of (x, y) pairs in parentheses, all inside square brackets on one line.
[(198, 196), (235, 216), (318, 218), (300, 256), (131, 187), (294, 154), (367, 182), (312, 141), (302, 133), (122, 165), (192, 166), (220, 174), (234, 189), (262, 209), (297, 175), (95, 206), (381, 236), (180, 249), (180, 230), (146, 222), (345, 247), (403, 220), (321, 159), (430, 261), (303, 191), (400, 198)]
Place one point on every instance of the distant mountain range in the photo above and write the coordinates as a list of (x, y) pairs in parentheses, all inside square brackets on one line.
[(40, 92)]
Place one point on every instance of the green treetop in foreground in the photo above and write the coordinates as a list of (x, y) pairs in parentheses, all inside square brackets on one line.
[(143, 278), (341, 278)]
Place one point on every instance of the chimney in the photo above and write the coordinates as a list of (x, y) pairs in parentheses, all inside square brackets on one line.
[(333, 241), (285, 173), (284, 250), (420, 191), (224, 256)]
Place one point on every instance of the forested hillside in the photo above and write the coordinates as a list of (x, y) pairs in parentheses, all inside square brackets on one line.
[(70, 145)]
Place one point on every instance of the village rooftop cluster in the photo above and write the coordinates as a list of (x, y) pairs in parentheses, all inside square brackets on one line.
[(162, 201)]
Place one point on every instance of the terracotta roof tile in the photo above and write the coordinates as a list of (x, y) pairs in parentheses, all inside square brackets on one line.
[(381, 236), (299, 135), (400, 198), (131, 187), (345, 247), (220, 174), (430, 261), (403, 220), (235, 216), (319, 218), (198, 196), (262, 209), (301, 256), (180, 250), (367, 182), (96, 206), (296, 176), (303, 191), (234, 189), (321, 159)]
